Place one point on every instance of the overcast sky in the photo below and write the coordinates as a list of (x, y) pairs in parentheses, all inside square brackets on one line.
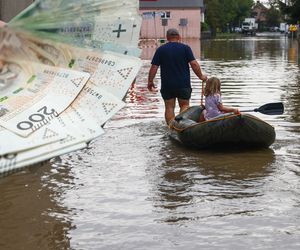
[(265, 2)]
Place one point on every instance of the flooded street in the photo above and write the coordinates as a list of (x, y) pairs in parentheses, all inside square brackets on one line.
[(135, 188)]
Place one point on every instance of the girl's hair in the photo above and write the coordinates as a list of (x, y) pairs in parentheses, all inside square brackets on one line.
[(213, 86)]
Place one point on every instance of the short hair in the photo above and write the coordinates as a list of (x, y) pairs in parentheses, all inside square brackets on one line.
[(172, 32)]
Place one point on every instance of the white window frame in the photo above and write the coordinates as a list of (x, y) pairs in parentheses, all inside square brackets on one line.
[(166, 15)]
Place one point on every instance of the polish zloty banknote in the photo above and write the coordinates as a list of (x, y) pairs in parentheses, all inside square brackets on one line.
[(86, 115), (36, 94), (11, 143), (115, 73), (73, 138), (83, 120), (93, 107), (11, 162), (45, 33), (70, 8), (100, 99), (20, 46), (110, 71), (103, 25)]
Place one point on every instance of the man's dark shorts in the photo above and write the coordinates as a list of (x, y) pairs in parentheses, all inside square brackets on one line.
[(184, 93)]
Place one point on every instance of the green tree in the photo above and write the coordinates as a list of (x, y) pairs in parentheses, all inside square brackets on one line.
[(273, 16), (290, 8), (224, 14), (243, 10), (212, 15), (227, 15)]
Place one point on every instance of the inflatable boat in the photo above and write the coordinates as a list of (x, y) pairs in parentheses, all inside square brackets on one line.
[(226, 130)]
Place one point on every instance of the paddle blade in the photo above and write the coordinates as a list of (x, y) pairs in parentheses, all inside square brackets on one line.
[(275, 108)]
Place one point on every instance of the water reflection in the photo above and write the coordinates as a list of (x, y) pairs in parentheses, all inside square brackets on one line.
[(31, 212), (188, 180), (235, 49), (134, 188), (293, 51)]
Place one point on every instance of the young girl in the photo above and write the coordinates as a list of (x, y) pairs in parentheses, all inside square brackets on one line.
[(213, 101)]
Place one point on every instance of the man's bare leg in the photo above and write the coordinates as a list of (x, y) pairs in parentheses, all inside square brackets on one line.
[(169, 110), (183, 104)]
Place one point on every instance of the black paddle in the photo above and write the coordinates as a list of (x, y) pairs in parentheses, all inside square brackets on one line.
[(275, 108)]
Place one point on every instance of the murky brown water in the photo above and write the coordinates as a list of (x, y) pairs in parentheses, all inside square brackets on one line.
[(134, 188)]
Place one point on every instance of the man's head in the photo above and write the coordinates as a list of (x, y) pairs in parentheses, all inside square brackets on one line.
[(173, 34)]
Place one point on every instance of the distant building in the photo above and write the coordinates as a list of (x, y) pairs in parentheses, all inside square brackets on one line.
[(159, 15), (10, 8), (259, 12)]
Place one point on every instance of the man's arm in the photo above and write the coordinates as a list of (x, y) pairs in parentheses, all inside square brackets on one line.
[(152, 73), (197, 70)]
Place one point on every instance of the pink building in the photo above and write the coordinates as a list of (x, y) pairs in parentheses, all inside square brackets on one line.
[(160, 15)]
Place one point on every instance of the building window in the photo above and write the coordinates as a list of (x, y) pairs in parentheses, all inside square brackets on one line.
[(166, 15)]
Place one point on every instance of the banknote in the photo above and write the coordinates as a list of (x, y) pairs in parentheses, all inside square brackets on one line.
[(115, 73), (83, 120), (112, 72), (65, 66), (71, 7), (85, 117), (77, 136), (91, 110), (11, 143), (10, 162), (21, 46), (102, 25), (35, 94)]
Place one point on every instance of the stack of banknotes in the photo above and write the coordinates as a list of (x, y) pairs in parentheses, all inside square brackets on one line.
[(65, 67)]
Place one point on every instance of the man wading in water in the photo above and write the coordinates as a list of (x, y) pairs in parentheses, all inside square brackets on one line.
[(174, 59)]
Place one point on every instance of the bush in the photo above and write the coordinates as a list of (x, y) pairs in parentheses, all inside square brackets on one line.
[(204, 26)]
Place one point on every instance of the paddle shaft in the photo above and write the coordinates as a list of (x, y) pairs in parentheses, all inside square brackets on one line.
[(249, 110), (276, 108)]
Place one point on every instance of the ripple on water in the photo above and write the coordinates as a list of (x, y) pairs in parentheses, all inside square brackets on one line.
[(134, 188)]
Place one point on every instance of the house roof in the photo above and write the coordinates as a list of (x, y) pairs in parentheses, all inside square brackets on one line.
[(259, 12), (171, 4)]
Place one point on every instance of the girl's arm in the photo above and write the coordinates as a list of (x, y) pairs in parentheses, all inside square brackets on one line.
[(224, 109)]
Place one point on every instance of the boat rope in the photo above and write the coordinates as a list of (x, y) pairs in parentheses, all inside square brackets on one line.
[(208, 121), (213, 120)]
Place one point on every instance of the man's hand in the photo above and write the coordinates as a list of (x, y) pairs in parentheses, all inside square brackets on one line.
[(197, 70), (151, 86), (204, 78), (152, 73)]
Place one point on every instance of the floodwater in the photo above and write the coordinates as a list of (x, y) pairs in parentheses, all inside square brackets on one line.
[(134, 188)]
